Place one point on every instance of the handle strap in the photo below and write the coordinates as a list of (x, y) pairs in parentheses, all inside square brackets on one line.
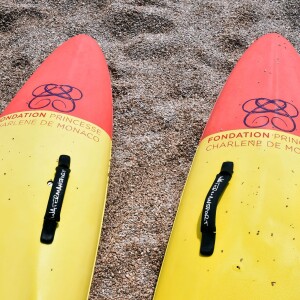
[(208, 220), (52, 215)]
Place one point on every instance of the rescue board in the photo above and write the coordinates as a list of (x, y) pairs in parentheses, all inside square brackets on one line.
[(236, 232), (55, 150)]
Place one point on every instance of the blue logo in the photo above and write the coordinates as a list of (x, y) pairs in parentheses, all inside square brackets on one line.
[(263, 111), (61, 97)]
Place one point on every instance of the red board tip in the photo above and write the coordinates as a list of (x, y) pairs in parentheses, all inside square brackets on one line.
[(262, 90), (73, 80)]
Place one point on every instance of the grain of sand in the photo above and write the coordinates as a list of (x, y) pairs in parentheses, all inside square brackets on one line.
[(168, 61)]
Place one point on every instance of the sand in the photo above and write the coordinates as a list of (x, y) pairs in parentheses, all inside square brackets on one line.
[(168, 62)]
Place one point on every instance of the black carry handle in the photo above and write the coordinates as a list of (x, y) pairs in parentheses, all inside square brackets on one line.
[(52, 215), (208, 220)]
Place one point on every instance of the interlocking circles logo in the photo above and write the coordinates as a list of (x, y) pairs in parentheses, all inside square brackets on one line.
[(61, 97), (263, 111)]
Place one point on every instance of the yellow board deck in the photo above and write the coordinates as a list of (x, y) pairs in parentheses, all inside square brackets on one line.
[(54, 114), (255, 125)]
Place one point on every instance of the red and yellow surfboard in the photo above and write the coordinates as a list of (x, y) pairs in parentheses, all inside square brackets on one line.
[(55, 150), (254, 244)]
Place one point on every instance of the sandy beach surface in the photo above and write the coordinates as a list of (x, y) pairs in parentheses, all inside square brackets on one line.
[(168, 61)]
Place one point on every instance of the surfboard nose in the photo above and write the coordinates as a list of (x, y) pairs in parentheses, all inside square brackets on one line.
[(262, 85), (271, 45), (271, 36), (73, 80)]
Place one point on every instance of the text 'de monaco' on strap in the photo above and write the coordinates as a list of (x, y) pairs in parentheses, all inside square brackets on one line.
[(52, 215), (208, 220)]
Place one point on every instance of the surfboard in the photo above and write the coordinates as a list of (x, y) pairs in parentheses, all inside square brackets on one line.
[(55, 150), (236, 232)]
